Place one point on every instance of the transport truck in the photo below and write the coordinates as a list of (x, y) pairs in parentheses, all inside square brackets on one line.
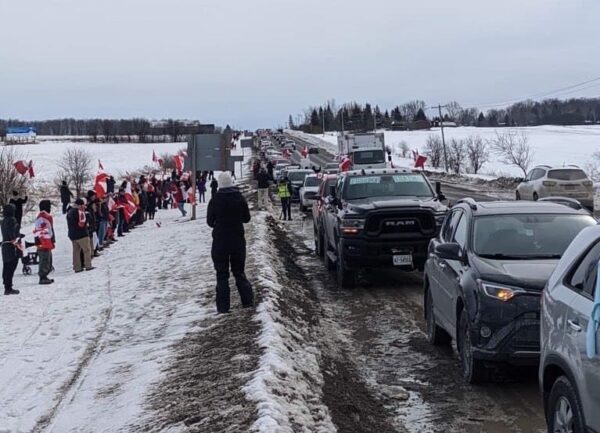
[(365, 151)]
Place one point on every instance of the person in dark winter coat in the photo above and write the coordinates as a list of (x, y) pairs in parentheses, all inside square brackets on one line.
[(202, 189), (78, 226), (270, 168), (226, 215), (214, 186), (65, 196), (263, 189), (10, 252), (110, 185), (18, 202), (45, 240), (151, 202)]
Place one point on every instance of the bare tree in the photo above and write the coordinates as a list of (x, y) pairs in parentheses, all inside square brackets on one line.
[(10, 179), (404, 149), (168, 163), (513, 149), (434, 150), (454, 110), (76, 166), (456, 155), (477, 152)]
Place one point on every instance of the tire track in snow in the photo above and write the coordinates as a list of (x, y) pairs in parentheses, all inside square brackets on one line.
[(69, 390)]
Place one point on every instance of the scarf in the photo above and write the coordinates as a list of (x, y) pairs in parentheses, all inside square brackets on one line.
[(82, 218)]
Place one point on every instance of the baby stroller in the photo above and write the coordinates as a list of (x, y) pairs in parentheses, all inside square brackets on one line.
[(29, 258)]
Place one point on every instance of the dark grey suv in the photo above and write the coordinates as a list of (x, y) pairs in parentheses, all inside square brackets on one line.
[(485, 275)]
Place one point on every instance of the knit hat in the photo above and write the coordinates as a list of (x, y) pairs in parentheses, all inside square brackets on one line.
[(46, 206), (80, 202), (225, 180)]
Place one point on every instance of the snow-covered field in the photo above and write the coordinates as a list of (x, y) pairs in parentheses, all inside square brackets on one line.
[(117, 158), (553, 145)]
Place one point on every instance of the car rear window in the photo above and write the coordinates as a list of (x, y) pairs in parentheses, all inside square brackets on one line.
[(567, 174), (297, 176), (312, 181)]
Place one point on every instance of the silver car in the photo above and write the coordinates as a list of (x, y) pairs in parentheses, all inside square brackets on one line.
[(569, 181), (570, 338)]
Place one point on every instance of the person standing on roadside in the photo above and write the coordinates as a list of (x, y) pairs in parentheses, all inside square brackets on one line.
[(65, 196), (284, 192), (270, 168), (78, 234), (226, 215), (45, 240), (10, 248), (263, 189), (214, 186), (18, 201)]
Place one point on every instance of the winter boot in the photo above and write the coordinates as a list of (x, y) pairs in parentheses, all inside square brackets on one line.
[(11, 292), (46, 280)]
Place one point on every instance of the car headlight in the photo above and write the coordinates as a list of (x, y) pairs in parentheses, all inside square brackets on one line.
[(501, 292), (439, 218), (351, 226)]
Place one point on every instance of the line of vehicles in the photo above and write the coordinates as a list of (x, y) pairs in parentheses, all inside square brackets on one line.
[(508, 281)]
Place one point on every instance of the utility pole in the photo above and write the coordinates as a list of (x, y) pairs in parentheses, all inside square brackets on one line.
[(439, 107), (323, 122), (342, 120)]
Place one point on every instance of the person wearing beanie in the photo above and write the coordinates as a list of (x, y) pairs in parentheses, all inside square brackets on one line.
[(45, 240), (78, 226), (10, 248), (226, 214)]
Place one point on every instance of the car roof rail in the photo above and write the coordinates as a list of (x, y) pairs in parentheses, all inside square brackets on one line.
[(544, 165), (566, 201), (468, 200)]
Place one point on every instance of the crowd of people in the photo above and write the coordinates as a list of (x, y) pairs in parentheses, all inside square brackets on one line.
[(94, 221)]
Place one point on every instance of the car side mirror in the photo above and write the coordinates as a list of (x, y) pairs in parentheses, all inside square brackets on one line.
[(451, 251), (438, 192)]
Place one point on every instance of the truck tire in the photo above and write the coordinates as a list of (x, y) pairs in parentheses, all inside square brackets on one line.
[(474, 370), (330, 265), (346, 278), (319, 250)]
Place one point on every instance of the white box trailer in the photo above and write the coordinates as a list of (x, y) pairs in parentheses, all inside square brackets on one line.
[(365, 150)]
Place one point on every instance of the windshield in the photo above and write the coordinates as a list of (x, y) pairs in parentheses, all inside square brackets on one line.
[(311, 181), (567, 174), (388, 185), (332, 165), (369, 157), (526, 236), (298, 176)]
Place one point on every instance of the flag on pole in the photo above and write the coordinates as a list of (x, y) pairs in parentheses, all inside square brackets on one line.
[(100, 183), (305, 152), (420, 161), (24, 167), (129, 208), (345, 164), (178, 159)]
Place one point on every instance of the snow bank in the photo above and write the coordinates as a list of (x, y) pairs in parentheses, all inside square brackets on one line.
[(287, 387)]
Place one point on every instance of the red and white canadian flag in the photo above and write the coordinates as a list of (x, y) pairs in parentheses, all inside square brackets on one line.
[(305, 152), (345, 164), (178, 159), (23, 168), (129, 208), (100, 183)]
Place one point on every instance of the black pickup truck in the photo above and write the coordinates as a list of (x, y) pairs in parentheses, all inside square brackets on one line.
[(379, 218)]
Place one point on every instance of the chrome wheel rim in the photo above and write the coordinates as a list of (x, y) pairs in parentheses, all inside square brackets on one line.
[(563, 416)]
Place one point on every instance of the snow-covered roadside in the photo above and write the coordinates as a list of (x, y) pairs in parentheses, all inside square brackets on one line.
[(287, 387), (93, 343)]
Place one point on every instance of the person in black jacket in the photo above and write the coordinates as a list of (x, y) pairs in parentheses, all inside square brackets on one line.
[(110, 185), (10, 252), (263, 189), (151, 202), (226, 215), (18, 202), (65, 196), (214, 186), (78, 225)]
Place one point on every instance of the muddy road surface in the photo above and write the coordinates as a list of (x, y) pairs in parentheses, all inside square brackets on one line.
[(380, 324)]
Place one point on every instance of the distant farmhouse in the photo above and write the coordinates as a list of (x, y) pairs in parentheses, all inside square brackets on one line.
[(20, 134)]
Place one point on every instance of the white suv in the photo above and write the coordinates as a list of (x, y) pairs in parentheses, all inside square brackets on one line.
[(570, 338), (545, 181)]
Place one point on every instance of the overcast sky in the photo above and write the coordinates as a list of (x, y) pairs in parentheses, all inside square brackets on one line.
[(250, 63)]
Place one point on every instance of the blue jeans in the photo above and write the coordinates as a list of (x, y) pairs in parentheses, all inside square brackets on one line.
[(181, 206), (102, 229)]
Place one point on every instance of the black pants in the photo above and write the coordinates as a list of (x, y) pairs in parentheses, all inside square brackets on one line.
[(226, 252), (286, 208), (8, 271), (64, 207)]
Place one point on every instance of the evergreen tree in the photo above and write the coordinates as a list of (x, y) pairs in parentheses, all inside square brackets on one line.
[(291, 123), (481, 120), (420, 115), (368, 122)]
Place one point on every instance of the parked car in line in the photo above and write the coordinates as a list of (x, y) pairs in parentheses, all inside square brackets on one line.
[(331, 168), (570, 338), (279, 166), (326, 189), (485, 275), (569, 181), (289, 146), (380, 218), (308, 191), (296, 178)]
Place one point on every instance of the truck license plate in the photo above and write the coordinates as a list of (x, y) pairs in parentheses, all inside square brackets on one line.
[(403, 260)]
